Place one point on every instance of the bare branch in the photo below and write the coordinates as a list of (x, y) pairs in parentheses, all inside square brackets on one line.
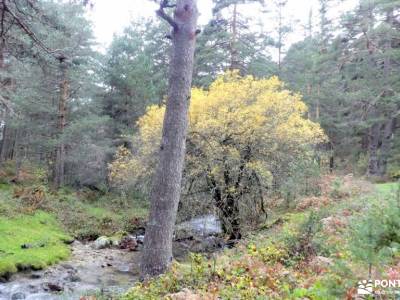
[(28, 31), (2, 20), (162, 14), (7, 104)]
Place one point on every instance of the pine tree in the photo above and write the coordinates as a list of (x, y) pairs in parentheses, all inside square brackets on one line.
[(231, 41)]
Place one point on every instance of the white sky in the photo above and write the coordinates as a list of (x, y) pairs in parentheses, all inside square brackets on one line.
[(111, 17)]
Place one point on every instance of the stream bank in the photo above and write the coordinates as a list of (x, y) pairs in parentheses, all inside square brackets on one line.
[(88, 270), (96, 267)]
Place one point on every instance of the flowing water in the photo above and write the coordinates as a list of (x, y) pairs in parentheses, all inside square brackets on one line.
[(107, 271)]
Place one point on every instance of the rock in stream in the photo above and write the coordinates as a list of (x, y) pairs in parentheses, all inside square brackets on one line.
[(105, 265)]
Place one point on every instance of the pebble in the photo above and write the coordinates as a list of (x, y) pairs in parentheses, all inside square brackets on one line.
[(18, 296)]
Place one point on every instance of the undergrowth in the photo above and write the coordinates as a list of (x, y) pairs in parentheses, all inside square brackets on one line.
[(35, 222), (312, 253)]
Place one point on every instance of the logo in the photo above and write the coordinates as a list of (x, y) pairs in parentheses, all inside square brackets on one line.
[(365, 287), (378, 287)]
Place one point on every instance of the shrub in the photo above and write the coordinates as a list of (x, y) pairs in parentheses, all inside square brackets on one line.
[(7, 171), (337, 190), (270, 254), (394, 174), (376, 232), (302, 242), (246, 136)]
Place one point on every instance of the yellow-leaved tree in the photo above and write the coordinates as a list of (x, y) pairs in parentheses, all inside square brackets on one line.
[(244, 133)]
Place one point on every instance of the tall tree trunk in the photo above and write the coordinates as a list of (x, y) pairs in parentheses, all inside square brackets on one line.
[(386, 146), (2, 50), (62, 111), (4, 141), (7, 149), (280, 39), (388, 126), (233, 44), (166, 187), (18, 153), (373, 147), (317, 106)]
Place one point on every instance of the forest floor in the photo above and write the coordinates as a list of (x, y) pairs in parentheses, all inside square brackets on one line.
[(319, 247), (37, 224)]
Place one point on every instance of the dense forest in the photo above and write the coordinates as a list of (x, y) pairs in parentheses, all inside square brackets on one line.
[(285, 138)]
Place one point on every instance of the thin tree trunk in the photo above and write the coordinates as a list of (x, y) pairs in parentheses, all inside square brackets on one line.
[(233, 45), (18, 153), (373, 147), (388, 126), (309, 93), (2, 50), (228, 207), (375, 130), (4, 141), (280, 38), (317, 108), (62, 110), (166, 187), (232, 214), (7, 146), (386, 146)]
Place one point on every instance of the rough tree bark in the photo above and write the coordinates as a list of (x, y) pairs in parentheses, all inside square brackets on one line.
[(59, 165), (166, 186)]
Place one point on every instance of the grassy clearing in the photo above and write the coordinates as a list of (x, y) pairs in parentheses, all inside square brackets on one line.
[(104, 215), (387, 188), (42, 220), (34, 242), (83, 215)]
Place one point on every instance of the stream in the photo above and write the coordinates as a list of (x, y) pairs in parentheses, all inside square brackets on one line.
[(108, 271)]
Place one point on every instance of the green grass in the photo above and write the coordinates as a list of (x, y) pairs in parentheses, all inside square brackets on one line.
[(4, 187), (105, 216), (43, 235), (80, 216), (387, 188), (60, 215)]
